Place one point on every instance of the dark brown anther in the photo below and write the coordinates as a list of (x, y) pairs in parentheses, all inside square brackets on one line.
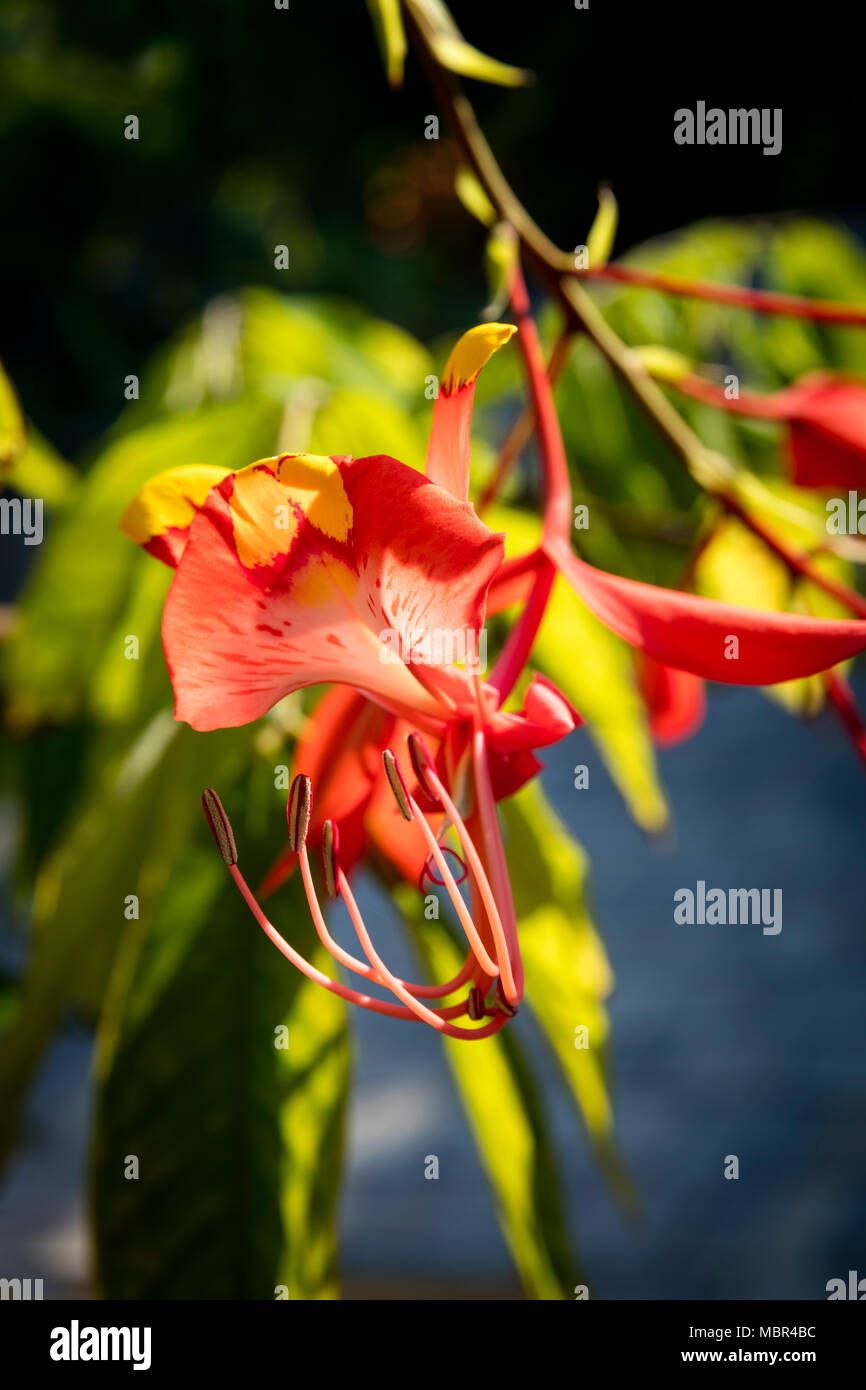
[(502, 1003), (421, 763), (219, 824), (398, 786), (298, 812), (330, 850), (475, 1004)]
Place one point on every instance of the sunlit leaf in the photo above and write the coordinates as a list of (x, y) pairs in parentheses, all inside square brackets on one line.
[(453, 52), (391, 37), (113, 860), (13, 431), (79, 588), (503, 1105), (39, 471), (473, 197), (602, 233), (226, 1079), (568, 976)]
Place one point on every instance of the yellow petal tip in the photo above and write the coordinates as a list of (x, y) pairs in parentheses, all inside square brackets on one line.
[(473, 351)]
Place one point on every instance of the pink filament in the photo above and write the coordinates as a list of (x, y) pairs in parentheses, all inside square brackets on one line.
[(364, 1001), (359, 967), (503, 952)]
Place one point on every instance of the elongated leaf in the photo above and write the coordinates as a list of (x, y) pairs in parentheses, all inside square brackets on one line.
[(461, 57), (224, 1074), (77, 594), (567, 972), (602, 233), (391, 37), (13, 431), (501, 1097), (39, 471), (113, 860), (454, 53)]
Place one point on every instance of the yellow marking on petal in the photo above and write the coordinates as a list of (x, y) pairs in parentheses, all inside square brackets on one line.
[(323, 580), (314, 482), (169, 500), (473, 351), (266, 499), (263, 522)]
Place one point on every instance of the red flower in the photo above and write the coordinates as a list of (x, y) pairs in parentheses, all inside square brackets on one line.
[(367, 575), (825, 415)]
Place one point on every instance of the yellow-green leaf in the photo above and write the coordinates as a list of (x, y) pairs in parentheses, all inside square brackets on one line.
[(390, 36), (502, 1104), (13, 432), (602, 233)]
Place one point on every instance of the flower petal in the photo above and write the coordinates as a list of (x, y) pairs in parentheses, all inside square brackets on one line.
[(675, 700), (546, 717), (694, 634), (340, 751), (298, 570), (827, 439), (448, 451), (159, 517)]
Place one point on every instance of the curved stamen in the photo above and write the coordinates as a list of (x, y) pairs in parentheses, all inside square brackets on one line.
[(421, 761), (498, 865), (222, 832), (505, 943), (364, 1001), (481, 954), (360, 967), (431, 1016)]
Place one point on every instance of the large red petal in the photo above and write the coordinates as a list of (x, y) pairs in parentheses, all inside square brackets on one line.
[(694, 634), (370, 548)]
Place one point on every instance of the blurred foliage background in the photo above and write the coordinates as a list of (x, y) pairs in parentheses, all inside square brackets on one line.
[(155, 258)]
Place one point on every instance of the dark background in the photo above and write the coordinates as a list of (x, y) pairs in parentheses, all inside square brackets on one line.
[(261, 127)]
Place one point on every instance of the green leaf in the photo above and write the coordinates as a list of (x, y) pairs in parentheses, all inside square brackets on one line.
[(352, 422), (473, 197), (78, 592), (501, 1097), (238, 1140), (120, 844), (390, 36), (568, 976), (453, 52), (288, 340), (461, 57), (39, 471), (602, 233), (13, 431)]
